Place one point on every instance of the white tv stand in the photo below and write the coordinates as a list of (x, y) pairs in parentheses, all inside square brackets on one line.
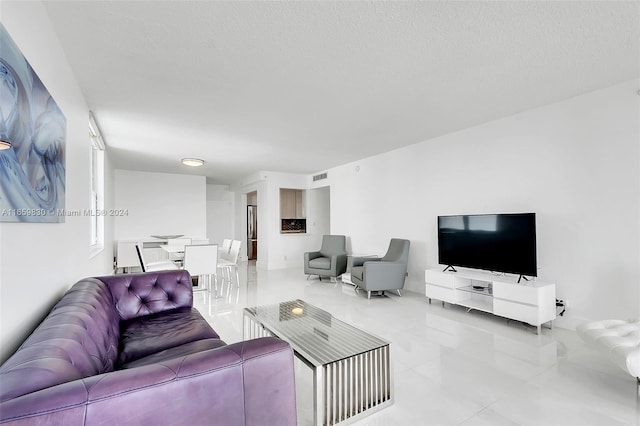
[(532, 302)]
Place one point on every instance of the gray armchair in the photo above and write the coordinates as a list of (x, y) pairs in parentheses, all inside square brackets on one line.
[(330, 260), (385, 273)]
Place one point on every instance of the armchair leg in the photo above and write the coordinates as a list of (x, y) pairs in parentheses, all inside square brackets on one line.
[(368, 294), (308, 276), (398, 291)]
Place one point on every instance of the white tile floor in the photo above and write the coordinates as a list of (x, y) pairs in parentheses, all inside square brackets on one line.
[(450, 367)]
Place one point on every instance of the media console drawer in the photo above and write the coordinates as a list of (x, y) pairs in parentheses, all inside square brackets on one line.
[(517, 311), (445, 294), (523, 293), (439, 278)]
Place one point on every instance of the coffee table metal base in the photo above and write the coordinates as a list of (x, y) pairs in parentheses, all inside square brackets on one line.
[(344, 391)]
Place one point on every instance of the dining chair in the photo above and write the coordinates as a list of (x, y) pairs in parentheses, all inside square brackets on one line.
[(178, 257), (159, 265), (202, 261), (223, 252), (231, 262)]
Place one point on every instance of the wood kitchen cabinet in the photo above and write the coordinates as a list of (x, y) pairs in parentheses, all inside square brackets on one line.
[(291, 203)]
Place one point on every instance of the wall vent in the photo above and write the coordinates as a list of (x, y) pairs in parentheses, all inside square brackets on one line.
[(320, 176)]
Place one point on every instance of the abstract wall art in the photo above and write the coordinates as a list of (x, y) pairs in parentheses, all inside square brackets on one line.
[(32, 170)]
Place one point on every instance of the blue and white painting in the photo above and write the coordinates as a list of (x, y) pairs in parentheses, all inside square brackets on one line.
[(32, 171)]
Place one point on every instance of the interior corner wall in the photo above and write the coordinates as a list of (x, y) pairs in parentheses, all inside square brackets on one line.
[(159, 204), (576, 164), (39, 261)]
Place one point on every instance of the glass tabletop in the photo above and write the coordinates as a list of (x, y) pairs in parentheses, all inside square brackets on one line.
[(313, 332)]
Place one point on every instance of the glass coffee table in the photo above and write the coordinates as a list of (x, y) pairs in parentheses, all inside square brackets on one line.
[(351, 368)]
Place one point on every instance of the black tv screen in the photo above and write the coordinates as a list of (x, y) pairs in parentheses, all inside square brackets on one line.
[(495, 242)]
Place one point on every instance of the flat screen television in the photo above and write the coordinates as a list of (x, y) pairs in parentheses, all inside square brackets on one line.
[(495, 242)]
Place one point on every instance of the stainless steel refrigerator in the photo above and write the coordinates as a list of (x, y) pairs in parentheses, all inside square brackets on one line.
[(252, 232)]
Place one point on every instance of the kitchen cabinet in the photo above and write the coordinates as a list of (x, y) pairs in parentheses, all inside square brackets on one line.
[(291, 203)]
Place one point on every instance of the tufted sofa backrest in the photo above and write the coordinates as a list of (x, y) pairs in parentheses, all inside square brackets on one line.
[(79, 338), (136, 295)]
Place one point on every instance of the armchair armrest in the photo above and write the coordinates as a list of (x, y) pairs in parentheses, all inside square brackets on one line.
[(249, 382), (360, 260), (310, 255), (340, 263)]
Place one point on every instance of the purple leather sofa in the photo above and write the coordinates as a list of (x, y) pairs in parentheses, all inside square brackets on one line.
[(131, 350)]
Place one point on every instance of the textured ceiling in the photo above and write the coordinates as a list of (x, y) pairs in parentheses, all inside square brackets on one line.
[(304, 86)]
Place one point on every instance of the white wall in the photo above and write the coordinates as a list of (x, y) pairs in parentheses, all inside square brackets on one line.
[(160, 204), (319, 212), (220, 213), (39, 261), (575, 163)]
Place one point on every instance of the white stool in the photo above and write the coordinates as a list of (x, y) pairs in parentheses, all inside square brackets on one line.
[(618, 340)]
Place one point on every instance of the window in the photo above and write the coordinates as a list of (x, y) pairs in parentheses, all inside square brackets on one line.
[(97, 188)]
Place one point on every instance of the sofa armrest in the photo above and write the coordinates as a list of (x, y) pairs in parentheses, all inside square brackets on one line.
[(269, 381), (246, 383)]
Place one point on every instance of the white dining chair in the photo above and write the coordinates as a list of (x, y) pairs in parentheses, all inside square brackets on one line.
[(177, 244), (202, 261), (223, 252), (231, 262), (159, 265)]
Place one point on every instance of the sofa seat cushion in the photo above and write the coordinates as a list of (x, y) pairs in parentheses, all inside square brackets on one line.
[(320, 263), (175, 352), (146, 335)]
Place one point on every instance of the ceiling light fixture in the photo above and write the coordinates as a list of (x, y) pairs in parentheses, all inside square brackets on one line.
[(192, 162), (4, 144)]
